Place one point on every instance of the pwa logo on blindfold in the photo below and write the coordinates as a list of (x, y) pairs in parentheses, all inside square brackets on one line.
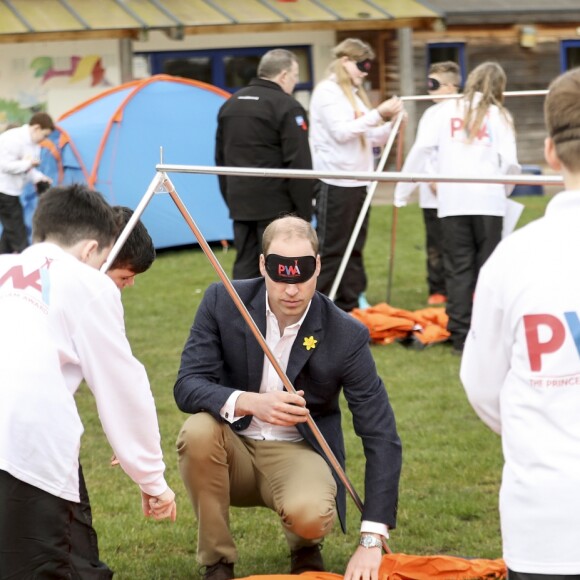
[(289, 271), (546, 333)]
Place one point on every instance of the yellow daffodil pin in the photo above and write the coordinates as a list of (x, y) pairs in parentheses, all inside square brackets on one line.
[(309, 342)]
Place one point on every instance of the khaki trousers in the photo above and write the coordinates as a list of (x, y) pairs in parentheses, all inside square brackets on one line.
[(220, 468)]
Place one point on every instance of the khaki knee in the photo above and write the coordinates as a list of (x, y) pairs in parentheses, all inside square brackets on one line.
[(309, 518), (197, 435)]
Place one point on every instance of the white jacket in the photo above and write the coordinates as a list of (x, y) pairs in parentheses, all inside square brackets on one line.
[(62, 321), (17, 152), (335, 133), (521, 373), (491, 153)]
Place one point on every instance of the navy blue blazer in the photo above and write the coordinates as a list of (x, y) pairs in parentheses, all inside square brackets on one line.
[(222, 355)]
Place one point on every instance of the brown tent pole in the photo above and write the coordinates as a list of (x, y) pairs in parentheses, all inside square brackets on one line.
[(262, 341)]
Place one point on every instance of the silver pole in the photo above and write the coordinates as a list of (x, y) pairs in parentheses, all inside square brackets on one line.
[(387, 176), (154, 186), (363, 212), (538, 93)]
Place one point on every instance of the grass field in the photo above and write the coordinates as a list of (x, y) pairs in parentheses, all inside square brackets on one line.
[(451, 462)]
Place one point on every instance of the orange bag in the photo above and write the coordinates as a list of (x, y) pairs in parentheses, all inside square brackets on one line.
[(405, 567), (387, 324)]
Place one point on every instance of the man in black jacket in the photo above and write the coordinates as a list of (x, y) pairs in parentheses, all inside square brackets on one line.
[(262, 125)]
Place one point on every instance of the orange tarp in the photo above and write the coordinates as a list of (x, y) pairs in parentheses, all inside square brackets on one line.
[(406, 567), (387, 324)]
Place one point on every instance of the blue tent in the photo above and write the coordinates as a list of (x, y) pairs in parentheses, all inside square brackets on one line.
[(113, 142)]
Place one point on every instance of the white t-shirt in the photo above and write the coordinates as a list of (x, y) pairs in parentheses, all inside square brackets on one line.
[(491, 153), (62, 321), (427, 198), (335, 133), (521, 373)]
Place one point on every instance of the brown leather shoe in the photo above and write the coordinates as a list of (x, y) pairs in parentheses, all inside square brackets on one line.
[(306, 559), (219, 571)]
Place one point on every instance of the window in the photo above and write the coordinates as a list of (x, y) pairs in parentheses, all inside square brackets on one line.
[(198, 69), (569, 54), (229, 69), (441, 51), (240, 70)]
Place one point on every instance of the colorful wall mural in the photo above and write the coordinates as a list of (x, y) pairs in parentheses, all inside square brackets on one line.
[(25, 82)]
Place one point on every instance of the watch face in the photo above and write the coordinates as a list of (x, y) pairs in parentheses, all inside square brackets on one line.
[(370, 542)]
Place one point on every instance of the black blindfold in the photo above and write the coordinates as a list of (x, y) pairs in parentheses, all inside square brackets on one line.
[(364, 65), (290, 270), (433, 84)]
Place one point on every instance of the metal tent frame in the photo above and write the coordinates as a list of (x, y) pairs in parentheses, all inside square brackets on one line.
[(161, 184)]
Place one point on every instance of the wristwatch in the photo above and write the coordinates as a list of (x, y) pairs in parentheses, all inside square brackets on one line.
[(370, 541)]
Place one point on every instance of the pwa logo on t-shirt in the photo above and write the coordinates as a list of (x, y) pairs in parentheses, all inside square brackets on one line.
[(457, 127), (21, 281), (545, 334), (36, 280)]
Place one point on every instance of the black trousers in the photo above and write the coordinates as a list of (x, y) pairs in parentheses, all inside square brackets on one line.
[(337, 211), (14, 235), (468, 241), (525, 576), (46, 537), (434, 249), (248, 244)]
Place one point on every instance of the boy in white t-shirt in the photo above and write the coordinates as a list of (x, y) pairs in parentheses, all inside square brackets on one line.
[(444, 78), (62, 322)]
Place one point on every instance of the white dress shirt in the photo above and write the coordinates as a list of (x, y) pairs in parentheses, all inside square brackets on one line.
[(280, 345)]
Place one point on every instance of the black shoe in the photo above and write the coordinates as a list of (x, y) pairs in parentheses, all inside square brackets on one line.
[(306, 559), (219, 571)]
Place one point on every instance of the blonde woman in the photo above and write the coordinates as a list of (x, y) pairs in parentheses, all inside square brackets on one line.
[(472, 136), (344, 128)]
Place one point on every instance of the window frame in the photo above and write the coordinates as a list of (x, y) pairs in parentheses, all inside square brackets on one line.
[(565, 44), (217, 63), (460, 46)]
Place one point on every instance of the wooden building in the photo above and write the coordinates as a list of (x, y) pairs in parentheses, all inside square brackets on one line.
[(533, 40), (55, 53)]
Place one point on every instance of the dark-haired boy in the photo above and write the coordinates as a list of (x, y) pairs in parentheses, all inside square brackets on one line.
[(136, 254), (62, 321)]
